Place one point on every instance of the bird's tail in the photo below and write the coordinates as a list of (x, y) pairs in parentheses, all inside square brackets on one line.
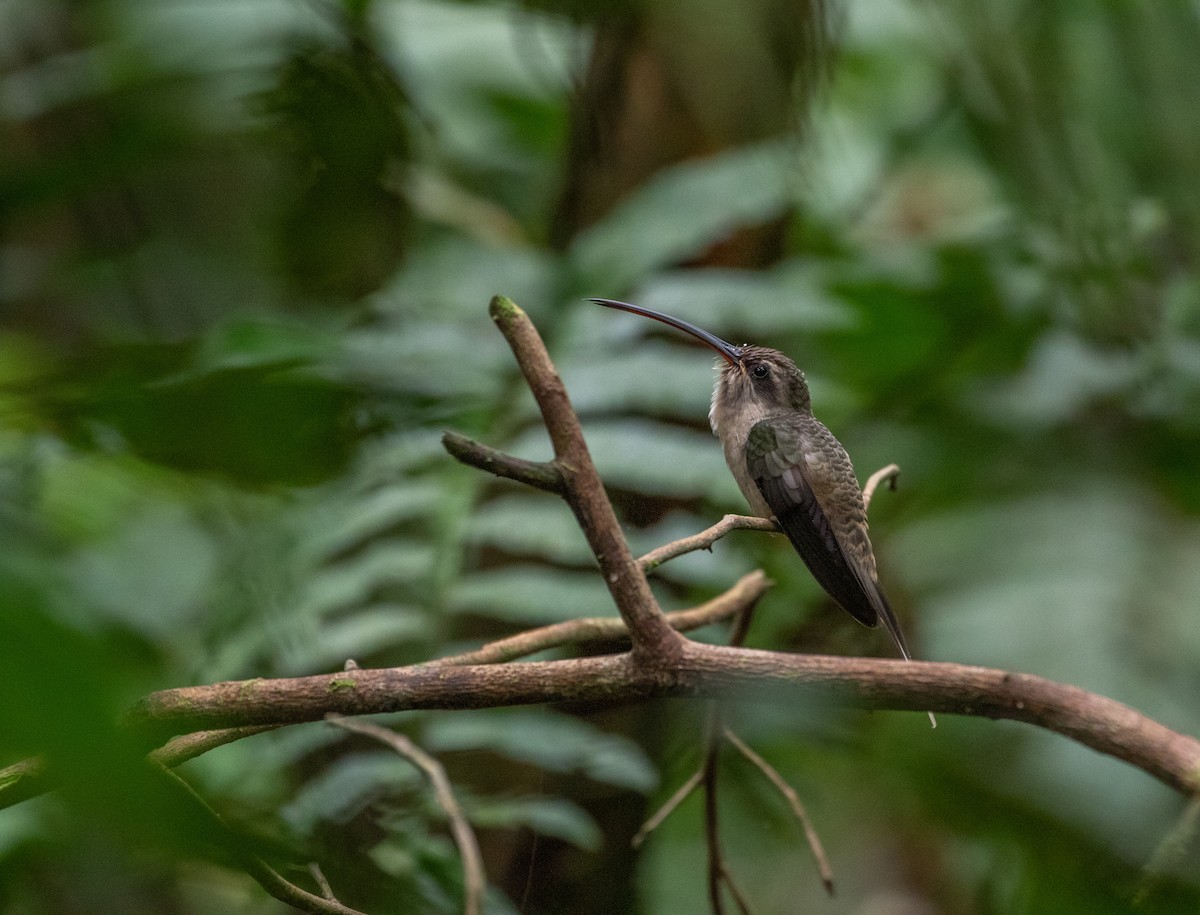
[(893, 627)]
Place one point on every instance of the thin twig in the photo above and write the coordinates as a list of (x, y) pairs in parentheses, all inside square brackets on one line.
[(653, 639), (793, 799), (266, 876), (314, 870), (739, 898), (888, 473), (712, 835), (718, 869), (719, 873), (179, 750), (741, 627), (474, 881), (748, 589), (714, 728), (285, 891), (705, 539), (681, 794), (23, 780), (539, 475), (1169, 853)]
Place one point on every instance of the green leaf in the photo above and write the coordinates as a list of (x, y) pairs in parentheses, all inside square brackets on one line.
[(372, 629), (553, 742), (449, 281), (153, 575), (354, 580), (339, 525), (792, 297), (554, 817), (531, 594), (717, 568), (1064, 376), (417, 359), (530, 525), (648, 378), (346, 788), (682, 210), (661, 459)]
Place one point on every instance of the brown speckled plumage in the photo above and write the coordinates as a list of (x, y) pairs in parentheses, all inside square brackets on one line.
[(791, 468)]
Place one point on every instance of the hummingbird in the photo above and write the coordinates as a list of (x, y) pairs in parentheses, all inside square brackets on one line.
[(790, 467)]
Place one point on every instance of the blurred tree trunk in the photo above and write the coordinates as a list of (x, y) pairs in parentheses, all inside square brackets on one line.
[(64, 191), (676, 80)]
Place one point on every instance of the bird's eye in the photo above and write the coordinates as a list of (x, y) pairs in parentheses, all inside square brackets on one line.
[(759, 371)]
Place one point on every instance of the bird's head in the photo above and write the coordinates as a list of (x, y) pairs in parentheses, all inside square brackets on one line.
[(765, 377), (748, 375)]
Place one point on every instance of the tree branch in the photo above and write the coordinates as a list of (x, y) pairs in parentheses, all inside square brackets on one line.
[(793, 799), (888, 474), (266, 876), (179, 750), (28, 778), (706, 538), (474, 881), (651, 635), (538, 474), (715, 730), (748, 589), (698, 671), (717, 872), (682, 793)]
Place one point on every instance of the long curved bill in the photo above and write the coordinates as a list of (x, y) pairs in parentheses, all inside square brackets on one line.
[(730, 353)]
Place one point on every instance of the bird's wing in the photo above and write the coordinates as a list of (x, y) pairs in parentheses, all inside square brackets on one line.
[(774, 457), (840, 557)]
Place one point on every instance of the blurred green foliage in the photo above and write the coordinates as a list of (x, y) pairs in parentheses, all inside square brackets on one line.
[(245, 256)]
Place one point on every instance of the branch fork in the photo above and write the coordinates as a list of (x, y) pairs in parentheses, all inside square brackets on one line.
[(650, 633)]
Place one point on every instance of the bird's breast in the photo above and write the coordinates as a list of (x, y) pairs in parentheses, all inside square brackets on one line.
[(733, 429)]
